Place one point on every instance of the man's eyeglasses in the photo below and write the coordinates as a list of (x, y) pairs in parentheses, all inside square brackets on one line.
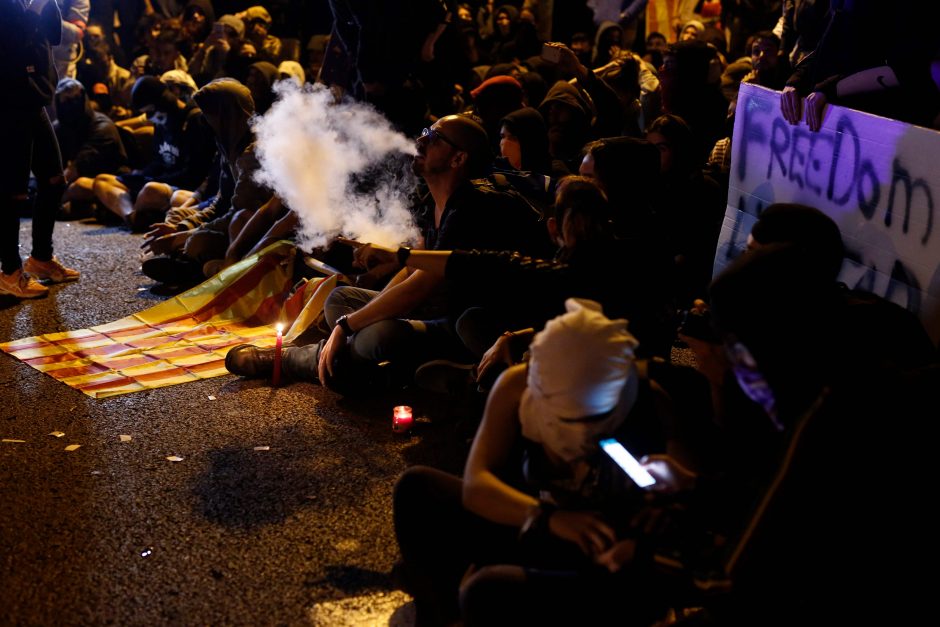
[(433, 135)]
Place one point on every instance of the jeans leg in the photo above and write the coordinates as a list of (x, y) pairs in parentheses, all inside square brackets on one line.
[(47, 167), (15, 156)]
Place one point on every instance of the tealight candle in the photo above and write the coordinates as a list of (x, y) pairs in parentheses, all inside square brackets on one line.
[(402, 420), (276, 375)]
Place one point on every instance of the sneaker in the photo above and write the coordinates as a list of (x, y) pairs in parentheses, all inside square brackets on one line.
[(21, 285), (52, 270), (446, 377)]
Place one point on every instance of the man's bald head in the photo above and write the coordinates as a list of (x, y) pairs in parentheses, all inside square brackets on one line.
[(470, 137)]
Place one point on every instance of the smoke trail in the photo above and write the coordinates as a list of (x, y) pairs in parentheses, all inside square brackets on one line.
[(338, 166)]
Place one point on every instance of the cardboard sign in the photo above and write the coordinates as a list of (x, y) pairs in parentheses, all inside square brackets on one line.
[(879, 179)]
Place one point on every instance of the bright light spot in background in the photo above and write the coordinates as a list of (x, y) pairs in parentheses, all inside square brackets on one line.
[(339, 166)]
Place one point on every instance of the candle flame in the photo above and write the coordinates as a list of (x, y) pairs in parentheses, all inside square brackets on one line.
[(280, 327)]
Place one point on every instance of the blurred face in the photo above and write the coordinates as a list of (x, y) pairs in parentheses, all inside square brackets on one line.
[(510, 147), (764, 56), (688, 33), (94, 34), (257, 30), (464, 16), (194, 22), (666, 154), (164, 56), (656, 44), (503, 23)]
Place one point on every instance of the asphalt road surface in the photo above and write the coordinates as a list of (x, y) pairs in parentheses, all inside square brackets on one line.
[(113, 533)]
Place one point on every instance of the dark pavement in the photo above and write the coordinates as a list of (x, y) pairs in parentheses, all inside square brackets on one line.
[(113, 533)]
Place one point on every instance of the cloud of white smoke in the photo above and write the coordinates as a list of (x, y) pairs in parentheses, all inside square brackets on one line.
[(335, 165)]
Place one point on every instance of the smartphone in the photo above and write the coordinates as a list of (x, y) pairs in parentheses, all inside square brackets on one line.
[(628, 462), (551, 54)]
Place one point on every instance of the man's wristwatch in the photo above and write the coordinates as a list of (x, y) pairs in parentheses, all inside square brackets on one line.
[(343, 323), (403, 253)]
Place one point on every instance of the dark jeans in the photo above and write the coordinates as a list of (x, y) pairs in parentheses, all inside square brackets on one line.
[(28, 144), (405, 344)]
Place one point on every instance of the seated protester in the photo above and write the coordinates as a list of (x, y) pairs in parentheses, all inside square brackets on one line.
[(900, 340), (257, 26), (770, 67), (260, 81), (524, 163), (493, 100), (526, 535), (182, 154), (689, 207), (293, 71), (204, 236), (212, 58), (799, 558), (196, 21), (162, 53), (88, 140), (412, 320), (690, 79), (577, 111), (98, 67)]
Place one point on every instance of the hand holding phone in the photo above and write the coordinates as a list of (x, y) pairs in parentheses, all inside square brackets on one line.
[(551, 53), (627, 462)]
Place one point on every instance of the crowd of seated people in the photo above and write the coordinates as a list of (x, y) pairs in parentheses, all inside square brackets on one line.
[(567, 215)]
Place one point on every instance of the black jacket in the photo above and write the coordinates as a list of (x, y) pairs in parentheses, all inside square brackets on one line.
[(27, 72)]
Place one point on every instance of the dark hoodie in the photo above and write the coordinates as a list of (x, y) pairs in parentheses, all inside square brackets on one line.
[(520, 42), (566, 137), (262, 85), (27, 72), (227, 106), (188, 45), (528, 125), (89, 140)]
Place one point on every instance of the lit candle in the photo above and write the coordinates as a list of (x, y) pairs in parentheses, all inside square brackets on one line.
[(276, 376), (402, 420)]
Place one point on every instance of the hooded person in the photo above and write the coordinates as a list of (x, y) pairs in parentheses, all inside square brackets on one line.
[(260, 80), (292, 70), (512, 37), (227, 107), (568, 116), (89, 140), (524, 141), (607, 44), (196, 21), (257, 30)]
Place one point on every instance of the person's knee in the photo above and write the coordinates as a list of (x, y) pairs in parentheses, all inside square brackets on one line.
[(179, 197), (153, 196), (203, 246), (489, 596)]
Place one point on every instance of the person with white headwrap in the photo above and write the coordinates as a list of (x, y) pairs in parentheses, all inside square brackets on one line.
[(579, 386)]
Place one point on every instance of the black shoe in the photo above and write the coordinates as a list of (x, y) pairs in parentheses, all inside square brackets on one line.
[(250, 361), (446, 377), (172, 271)]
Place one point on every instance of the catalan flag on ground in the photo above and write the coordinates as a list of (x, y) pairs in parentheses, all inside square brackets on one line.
[(186, 337)]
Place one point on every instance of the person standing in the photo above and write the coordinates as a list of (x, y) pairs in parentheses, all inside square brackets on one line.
[(28, 30)]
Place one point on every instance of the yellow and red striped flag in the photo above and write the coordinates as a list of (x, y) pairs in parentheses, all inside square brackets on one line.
[(184, 338)]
